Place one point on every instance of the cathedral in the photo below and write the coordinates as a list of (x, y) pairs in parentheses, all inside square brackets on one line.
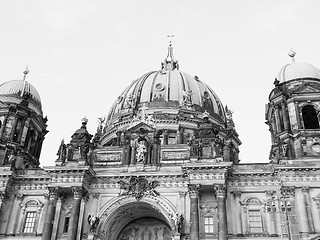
[(164, 164)]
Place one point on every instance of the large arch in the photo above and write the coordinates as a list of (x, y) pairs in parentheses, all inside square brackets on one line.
[(120, 212)]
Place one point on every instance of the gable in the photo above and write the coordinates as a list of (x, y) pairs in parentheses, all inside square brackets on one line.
[(307, 88)]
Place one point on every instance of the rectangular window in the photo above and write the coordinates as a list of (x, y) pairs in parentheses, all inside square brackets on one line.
[(30, 222), (208, 224), (66, 224), (255, 221)]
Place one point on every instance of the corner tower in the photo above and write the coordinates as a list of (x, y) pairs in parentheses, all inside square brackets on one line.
[(22, 125), (293, 113)]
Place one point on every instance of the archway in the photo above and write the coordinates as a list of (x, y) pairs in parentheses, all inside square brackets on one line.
[(127, 218), (146, 228)]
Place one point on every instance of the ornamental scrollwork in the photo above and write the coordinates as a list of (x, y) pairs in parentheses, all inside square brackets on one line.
[(138, 187)]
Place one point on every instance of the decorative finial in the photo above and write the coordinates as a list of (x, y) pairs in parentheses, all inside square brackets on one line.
[(84, 120), (292, 54), (170, 63), (25, 72), (170, 42)]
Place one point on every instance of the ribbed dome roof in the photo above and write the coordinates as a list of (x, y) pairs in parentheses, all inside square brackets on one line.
[(19, 89), (297, 70), (168, 89)]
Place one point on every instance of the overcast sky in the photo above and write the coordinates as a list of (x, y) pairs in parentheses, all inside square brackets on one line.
[(82, 54)]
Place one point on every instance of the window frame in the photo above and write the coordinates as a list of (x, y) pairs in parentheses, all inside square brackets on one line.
[(33, 222)]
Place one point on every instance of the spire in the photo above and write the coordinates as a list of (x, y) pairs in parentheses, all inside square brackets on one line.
[(25, 72), (292, 54), (170, 63)]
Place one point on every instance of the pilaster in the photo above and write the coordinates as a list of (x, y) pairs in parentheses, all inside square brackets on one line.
[(238, 220), (14, 218), (305, 191)]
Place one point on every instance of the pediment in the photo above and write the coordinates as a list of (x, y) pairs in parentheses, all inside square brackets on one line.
[(3, 105), (141, 127), (307, 88)]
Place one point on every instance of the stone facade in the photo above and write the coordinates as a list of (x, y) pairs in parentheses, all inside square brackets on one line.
[(163, 169)]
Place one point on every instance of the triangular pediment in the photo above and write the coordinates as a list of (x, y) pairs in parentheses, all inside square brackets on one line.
[(141, 126), (3, 105), (307, 88)]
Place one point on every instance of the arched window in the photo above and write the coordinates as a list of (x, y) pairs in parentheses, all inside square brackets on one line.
[(254, 216), (310, 118), (31, 210)]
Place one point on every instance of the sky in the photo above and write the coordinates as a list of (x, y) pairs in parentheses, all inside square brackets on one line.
[(82, 54)]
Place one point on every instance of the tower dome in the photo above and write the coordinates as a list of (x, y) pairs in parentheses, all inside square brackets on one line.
[(169, 90), (295, 70), (15, 91)]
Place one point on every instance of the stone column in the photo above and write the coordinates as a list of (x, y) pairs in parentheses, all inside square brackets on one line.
[(297, 114), (73, 227), (305, 191), (180, 135), (277, 116), (194, 193), (238, 220), (54, 193), (3, 127), (21, 129), (14, 218), (165, 137), (226, 152), (13, 128), (57, 217), (84, 200), (302, 213), (285, 117), (220, 190)]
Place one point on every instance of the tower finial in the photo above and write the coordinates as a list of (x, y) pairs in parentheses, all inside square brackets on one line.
[(292, 54), (170, 41), (25, 72), (169, 63)]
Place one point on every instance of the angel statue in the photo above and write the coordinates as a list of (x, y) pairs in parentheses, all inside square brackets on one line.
[(93, 221)]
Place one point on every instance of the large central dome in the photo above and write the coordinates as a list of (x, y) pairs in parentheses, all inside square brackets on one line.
[(168, 89)]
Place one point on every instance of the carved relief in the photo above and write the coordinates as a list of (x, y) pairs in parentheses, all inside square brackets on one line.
[(138, 187)]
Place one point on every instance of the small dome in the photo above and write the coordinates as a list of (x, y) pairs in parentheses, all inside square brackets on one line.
[(19, 89), (297, 70)]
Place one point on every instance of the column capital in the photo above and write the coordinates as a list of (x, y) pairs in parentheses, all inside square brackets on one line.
[(20, 197), (182, 194), (54, 192), (270, 193), (220, 190), (194, 190), (305, 189), (4, 196), (237, 194), (287, 191), (78, 191), (95, 195)]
